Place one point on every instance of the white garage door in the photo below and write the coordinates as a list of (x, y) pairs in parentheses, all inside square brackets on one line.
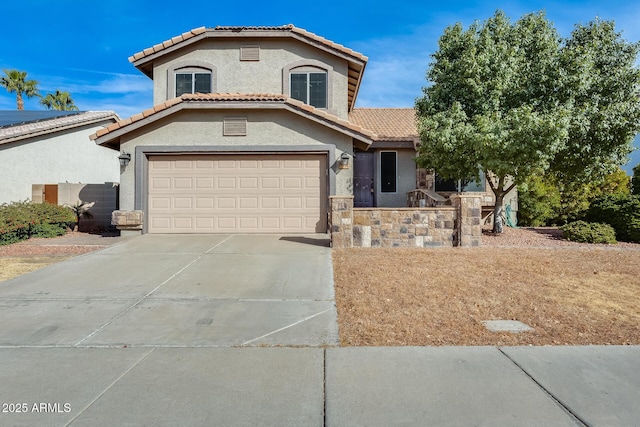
[(271, 193)]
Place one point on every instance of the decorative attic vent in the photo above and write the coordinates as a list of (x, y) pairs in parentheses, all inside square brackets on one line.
[(249, 53), (234, 126)]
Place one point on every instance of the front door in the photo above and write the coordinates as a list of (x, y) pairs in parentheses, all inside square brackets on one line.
[(363, 186)]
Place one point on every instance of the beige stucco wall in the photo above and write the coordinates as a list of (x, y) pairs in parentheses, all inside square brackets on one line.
[(204, 128), (67, 156), (264, 76), (406, 173)]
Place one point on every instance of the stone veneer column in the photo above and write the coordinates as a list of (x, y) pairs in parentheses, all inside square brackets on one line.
[(341, 221), (128, 222), (469, 211)]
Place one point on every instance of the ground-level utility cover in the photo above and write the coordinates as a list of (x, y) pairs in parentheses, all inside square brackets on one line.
[(506, 326)]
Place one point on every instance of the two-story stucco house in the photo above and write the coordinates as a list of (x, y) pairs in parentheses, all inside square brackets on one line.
[(252, 130)]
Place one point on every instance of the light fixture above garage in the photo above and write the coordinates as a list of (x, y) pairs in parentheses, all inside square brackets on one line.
[(344, 161), (124, 158)]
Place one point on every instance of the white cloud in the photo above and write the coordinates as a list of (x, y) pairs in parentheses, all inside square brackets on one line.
[(116, 83), (395, 73)]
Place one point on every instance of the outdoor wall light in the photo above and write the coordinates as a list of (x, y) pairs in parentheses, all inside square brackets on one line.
[(124, 158), (344, 161)]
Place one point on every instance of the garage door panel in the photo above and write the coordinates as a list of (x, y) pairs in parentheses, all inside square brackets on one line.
[(204, 203), (204, 164), (292, 202), (161, 223), (205, 223), (160, 202), (226, 223), (160, 183), (270, 182), (292, 223), (204, 183), (249, 202), (292, 182), (270, 223), (237, 193), (270, 202), (226, 202)]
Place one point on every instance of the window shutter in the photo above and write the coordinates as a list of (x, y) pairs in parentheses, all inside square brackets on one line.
[(234, 126), (249, 53)]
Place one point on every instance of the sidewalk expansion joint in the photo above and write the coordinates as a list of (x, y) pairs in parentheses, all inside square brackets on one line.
[(144, 298), (109, 387), (324, 387), (286, 327), (571, 413)]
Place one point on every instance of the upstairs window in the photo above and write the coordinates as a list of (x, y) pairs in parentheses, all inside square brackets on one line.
[(193, 81), (309, 87)]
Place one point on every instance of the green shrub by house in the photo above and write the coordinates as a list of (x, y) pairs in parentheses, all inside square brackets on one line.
[(589, 232), (622, 212), (21, 220)]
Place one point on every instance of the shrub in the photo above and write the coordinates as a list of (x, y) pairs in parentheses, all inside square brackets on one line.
[(589, 232), (21, 220), (622, 212)]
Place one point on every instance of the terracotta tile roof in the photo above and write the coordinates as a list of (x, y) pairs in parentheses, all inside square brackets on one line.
[(143, 60), (388, 124), (167, 43), (42, 127), (248, 30), (237, 98)]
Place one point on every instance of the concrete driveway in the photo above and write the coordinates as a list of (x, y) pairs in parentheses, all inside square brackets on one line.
[(178, 291)]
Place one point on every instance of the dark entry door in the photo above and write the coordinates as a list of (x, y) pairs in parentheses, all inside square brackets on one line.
[(363, 186)]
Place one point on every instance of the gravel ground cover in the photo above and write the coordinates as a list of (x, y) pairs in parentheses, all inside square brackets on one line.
[(569, 293), (22, 257)]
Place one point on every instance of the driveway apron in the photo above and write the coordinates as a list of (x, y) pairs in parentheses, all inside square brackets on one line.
[(178, 291)]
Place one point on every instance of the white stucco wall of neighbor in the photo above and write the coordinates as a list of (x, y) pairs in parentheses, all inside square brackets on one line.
[(204, 128), (66, 156)]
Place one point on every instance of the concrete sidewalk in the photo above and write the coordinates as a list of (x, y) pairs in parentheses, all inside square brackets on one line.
[(357, 386)]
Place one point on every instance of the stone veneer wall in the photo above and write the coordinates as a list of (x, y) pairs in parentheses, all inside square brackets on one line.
[(405, 227), (457, 225)]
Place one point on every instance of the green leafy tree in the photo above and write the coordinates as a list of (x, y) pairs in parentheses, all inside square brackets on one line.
[(59, 101), (635, 180), (602, 85), (546, 200), (16, 82), (505, 99), (538, 201)]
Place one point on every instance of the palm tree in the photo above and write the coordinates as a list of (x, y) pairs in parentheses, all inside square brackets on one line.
[(16, 82), (58, 101)]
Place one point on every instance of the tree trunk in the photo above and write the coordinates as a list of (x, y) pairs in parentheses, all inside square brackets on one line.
[(497, 214), (19, 101)]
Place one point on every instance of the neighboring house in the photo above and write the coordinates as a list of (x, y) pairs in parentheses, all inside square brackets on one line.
[(45, 155), (253, 129)]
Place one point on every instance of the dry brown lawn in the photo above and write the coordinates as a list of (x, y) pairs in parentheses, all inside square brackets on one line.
[(577, 296), (11, 267)]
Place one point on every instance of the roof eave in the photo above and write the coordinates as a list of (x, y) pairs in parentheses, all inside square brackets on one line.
[(112, 138), (41, 132)]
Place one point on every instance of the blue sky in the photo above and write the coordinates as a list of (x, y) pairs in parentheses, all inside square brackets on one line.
[(82, 46)]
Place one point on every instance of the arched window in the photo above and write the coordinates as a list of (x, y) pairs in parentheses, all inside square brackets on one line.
[(309, 85), (191, 77), (193, 80), (309, 82)]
